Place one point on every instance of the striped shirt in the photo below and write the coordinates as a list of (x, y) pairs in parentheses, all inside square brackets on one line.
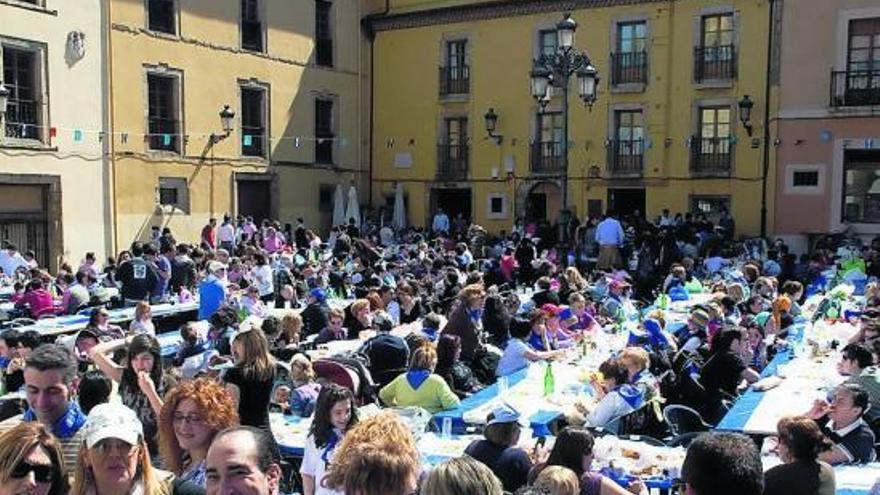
[(69, 446)]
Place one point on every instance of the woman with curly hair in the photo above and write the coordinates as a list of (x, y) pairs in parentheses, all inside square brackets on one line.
[(377, 457), (29, 448), (335, 414), (193, 413)]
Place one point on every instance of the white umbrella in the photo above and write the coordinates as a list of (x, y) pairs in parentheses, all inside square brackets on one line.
[(353, 210), (398, 220), (339, 207)]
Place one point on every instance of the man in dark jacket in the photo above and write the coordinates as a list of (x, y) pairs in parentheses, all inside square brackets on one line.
[(315, 315), (138, 277)]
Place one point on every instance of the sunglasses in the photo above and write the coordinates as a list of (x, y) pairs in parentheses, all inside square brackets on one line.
[(42, 472)]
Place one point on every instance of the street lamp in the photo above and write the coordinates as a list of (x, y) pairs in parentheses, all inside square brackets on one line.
[(559, 67), (491, 124), (745, 113), (226, 122)]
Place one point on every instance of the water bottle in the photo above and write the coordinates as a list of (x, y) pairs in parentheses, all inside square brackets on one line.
[(502, 386), (446, 429), (549, 381)]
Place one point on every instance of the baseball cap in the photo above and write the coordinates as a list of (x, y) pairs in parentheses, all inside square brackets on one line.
[(700, 318), (215, 266), (505, 414), (318, 293), (112, 421), (551, 309)]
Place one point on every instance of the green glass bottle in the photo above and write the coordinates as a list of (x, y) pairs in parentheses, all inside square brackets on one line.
[(549, 381)]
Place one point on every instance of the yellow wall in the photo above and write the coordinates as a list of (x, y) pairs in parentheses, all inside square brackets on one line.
[(212, 65), (409, 111)]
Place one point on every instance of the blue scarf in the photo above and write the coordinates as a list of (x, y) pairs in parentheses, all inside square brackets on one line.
[(631, 395), (475, 315), (431, 333), (417, 377), (67, 425), (334, 439), (537, 342)]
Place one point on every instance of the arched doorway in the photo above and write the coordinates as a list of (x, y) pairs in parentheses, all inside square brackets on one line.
[(543, 202)]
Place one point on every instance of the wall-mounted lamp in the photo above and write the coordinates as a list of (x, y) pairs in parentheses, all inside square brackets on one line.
[(226, 118), (745, 113), (491, 125)]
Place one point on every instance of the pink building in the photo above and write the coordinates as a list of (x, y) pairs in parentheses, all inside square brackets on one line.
[(828, 153)]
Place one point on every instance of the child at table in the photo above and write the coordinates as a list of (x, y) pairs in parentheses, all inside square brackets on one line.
[(518, 353), (335, 414)]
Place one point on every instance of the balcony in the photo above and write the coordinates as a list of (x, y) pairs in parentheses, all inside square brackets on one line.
[(22, 120), (714, 63), (626, 157), (452, 162), (547, 157), (629, 68), (855, 88), (455, 80), (711, 155)]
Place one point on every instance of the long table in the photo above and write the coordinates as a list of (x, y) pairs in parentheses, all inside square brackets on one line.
[(74, 323)]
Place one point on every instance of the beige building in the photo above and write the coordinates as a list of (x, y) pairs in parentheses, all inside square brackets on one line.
[(292, 73), (828, 152), (53, 170)]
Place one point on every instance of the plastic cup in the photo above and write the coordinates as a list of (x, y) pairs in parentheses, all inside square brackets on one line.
[(502, 385), (446, 430)]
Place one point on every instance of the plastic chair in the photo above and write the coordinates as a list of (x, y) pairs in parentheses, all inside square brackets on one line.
[(682, 420), (337, 373)]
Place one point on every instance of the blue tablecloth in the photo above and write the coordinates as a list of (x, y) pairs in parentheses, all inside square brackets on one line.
[(739, 415), (540, 422)]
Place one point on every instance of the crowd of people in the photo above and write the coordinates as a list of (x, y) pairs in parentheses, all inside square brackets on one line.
[(105, 413)]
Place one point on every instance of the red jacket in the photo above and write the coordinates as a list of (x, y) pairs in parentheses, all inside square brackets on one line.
[(39, 302)]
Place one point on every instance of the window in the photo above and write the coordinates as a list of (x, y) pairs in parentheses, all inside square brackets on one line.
[(453, 148), (861, 186), (627, 147), (496, 204), (547, 151), (629, 61), (160, 16), (632, 37), (805, 178), (711, 206), (715, 57), (863, 52), (323, 34), (253, 121), (547, 42), (164, 112), (711, 147), (251, 27), (324, 131), (173, 193), (455, 76), (22, 77)]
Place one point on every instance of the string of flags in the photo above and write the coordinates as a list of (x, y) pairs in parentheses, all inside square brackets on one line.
[(80, 135)]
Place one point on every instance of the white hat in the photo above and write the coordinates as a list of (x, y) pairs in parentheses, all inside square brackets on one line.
[(113, 421)]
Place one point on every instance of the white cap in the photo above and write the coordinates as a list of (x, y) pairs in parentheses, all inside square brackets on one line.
[(113, 421)]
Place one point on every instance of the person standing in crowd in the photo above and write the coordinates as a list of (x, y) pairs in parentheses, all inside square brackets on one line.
[(440, 223), (262, 277), (162, 268), (465, 320), (209, 234), (251, 380), (610, 237), (335, 414), (31, 462), (212, 290), (138, 277), (11, 260), (226, 235), (141, 380), (183, 270), (723, 464), (49, 375), (193, 413)]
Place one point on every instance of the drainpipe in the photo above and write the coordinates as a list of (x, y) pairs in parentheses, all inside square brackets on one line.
[(109, 146), (371, 36), (766, 159)]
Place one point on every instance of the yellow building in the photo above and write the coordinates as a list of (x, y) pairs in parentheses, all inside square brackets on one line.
[(665, 131), (290, 72)]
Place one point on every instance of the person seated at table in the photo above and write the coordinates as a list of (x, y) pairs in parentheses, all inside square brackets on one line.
[(652, 336), (37, 300), (800, 441), (286, 343), (25, 343), (694, 335), (388, 353), (465, 320), (143, 319), (617, 304), (754, 305), (77, 295), (869, 379), (616, 397), (94, 388), (854, 358), (722, 464), (334, 329), (636, 361), (780, 309), (461, 476), (194, 341), (556, 335), (868, 327), (251, 302), (419, 386), (794, 290), (457, 374), (335, 415), (410, 304), (578, 305), (757, 346), (431, 326), (841, 421), (676, 278), (303, 387), (766, 288), (545, 293), (499, 451), (358, 317), (99, 324), (193, 413), (315, 315), (558, 480), (519, 353), (378, 456), (538, 339), (723, 372)]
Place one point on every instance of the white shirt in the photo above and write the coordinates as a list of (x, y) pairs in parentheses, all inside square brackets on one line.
[(314, 466), (262, 276), (226, 233), (11, 262)]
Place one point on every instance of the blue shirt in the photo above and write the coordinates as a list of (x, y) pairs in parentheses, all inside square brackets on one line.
[(609, 232), (212, 295), (514, 358)]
